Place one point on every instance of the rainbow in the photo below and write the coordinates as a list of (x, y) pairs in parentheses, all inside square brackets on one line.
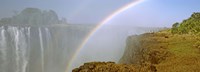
[(107, 19)]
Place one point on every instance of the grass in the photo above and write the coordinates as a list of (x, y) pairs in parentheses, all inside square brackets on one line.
[(184, 56), (167, 52), (171, 52)]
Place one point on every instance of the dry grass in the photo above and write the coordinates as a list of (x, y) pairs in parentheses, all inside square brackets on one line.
[(167, 52), (154, 52), (184, 56)]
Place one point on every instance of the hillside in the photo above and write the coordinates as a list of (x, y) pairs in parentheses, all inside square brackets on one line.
[(190, 25), (171, 50), (167, 52)]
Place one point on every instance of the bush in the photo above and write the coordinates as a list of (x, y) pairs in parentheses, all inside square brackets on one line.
[(190, 25)]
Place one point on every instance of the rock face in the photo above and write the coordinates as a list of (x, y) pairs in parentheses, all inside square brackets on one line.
[(105, 67), (146, 51), (146, 48), (154, 52), (142, 53), (163, 52)]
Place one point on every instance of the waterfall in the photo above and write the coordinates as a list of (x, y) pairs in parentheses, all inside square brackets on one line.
[(19, 46), (38, 48), (3, 53), (28, 47)]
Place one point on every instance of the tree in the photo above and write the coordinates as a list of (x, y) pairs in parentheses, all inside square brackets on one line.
[(175, 28), (33, 16), (5, 21), (190, 25)]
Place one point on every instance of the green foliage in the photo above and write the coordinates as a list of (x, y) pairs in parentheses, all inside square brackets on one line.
[(190, 25), (5, 21), (175, 28), (33, 16)]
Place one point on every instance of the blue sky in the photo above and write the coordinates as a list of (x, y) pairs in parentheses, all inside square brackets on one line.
[(148, 13)]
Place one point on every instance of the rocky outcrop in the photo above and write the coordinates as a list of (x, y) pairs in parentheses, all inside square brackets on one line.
[(163, 52), (145, 48), (142, 54), (154, 52), (106, 67)]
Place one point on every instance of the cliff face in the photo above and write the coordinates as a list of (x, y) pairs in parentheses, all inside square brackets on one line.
[(163, 52), (173, 50), (146, 50), (132, 51), (154, 52), (149, 47), (142, 54)]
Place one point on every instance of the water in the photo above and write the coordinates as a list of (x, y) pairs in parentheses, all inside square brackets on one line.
[(17, 43), (38, 48), (3, 50)]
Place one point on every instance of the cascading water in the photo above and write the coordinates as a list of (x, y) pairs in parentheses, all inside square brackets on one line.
[(3, 50), (38, 48), (18, 44)]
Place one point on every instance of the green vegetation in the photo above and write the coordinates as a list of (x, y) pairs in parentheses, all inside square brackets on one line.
[(33, 16), (190, 25), (172, 50)]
